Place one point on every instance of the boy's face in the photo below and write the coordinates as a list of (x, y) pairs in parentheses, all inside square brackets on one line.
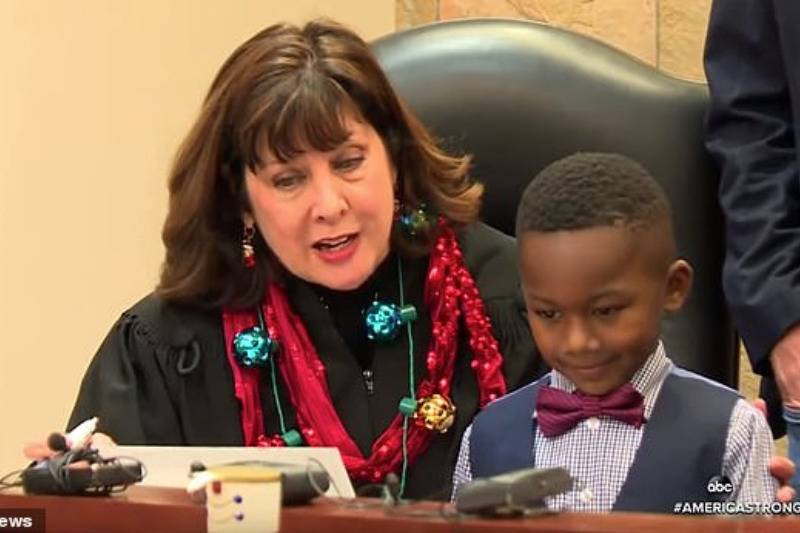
[(595, 298)]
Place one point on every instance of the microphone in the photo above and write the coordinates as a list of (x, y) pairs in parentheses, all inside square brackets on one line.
[(391, 489), (515, 492), (76, 439)]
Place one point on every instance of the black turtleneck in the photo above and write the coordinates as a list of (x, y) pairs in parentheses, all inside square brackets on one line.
[(346, 308)]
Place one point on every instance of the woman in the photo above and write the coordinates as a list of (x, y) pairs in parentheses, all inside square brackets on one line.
[(326, 281)]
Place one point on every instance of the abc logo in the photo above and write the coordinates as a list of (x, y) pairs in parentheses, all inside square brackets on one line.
[(719, 485)]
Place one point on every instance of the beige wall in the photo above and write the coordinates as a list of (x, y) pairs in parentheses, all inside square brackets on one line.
[(94, 98), (666, 33)]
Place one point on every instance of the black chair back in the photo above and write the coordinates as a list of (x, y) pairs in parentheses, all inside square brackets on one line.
[(518, 95)]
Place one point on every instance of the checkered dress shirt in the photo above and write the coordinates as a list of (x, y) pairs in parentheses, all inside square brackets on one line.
[(598, 452)]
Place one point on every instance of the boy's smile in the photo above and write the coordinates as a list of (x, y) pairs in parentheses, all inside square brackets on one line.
[(595, 298)]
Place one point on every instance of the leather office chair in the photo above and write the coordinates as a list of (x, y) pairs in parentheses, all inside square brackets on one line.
[(518, 95)]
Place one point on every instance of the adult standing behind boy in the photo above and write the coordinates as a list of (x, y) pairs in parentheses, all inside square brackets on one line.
[(598, 265), (752, 62)]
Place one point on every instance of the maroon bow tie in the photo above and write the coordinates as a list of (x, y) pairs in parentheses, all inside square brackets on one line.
[(557, 411)]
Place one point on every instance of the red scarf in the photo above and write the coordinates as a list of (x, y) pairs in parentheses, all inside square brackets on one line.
[(450, 292)]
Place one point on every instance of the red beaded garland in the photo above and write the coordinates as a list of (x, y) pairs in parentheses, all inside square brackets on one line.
[(450, 292)]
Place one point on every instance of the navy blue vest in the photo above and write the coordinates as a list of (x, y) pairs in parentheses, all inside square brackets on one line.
[(681, 449)]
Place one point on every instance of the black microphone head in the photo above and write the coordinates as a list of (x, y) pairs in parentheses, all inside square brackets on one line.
[(391, 486), (57, 442)]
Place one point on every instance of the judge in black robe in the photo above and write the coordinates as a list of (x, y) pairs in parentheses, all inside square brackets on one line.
[(162, 377)]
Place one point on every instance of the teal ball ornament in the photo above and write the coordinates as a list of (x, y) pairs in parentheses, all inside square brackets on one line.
[(252, 347), (383, 321)]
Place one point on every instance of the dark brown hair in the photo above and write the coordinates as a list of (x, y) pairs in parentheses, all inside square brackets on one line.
[(288, 88)]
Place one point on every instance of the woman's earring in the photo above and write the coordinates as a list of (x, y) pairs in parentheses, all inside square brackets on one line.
[(248, 253), (413, 221)]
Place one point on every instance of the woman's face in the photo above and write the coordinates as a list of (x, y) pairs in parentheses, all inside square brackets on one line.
[(327, 216)]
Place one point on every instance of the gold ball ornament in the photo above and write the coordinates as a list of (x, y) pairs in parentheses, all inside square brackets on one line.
[(436, 413)]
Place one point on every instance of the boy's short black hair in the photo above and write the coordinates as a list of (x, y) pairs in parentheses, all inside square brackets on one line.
[(587, 190)]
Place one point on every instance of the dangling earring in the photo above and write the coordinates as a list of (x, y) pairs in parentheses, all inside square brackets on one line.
[(412, 220), (248, 253)]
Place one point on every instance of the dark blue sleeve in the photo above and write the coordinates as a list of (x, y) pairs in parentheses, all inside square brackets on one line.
[(751, 134)]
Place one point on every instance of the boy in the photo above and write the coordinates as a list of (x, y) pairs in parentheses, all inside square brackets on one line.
[(598, 269)]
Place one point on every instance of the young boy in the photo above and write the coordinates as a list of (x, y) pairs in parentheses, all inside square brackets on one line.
[(598, 268)]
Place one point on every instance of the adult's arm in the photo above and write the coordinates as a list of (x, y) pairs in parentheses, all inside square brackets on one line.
[(123, 387), (750, 132)]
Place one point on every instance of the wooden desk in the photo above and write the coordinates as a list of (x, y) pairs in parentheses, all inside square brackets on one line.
[(156, 510)]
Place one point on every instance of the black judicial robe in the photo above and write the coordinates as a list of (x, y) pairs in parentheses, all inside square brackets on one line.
[(161, 376)]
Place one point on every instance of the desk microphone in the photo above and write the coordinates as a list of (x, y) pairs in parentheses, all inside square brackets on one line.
[(516, 492), (391, 489)]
